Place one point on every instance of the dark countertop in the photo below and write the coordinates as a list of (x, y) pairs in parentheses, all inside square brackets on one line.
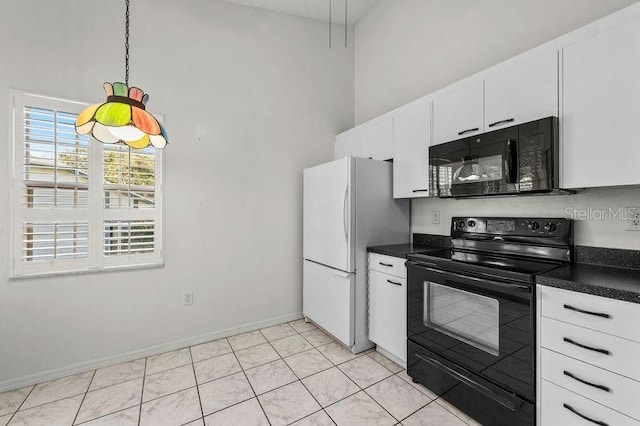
[(599, 280), (402, 250)]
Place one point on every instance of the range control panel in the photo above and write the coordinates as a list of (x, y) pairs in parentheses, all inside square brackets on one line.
[(518, 226)]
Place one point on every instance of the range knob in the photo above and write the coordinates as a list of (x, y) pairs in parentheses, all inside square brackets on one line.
[(460, 224), (471, 223), (550, 227), (533, 225)]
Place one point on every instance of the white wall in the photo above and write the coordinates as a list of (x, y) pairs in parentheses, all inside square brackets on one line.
[(250, 98), (407, 49)]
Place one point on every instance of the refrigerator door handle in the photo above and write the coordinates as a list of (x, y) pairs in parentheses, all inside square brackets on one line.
[(344, 214)]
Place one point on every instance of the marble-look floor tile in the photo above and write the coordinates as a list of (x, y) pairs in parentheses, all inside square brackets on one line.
[(291, 345), (404, 376), (256, 355), (307, 363), (58, 413), (222, 393), (386, 362), (57, 389), (246, 340), (5, 419), (10, 401), (279, 331), (169, 381), (317, 337), (456, 412), (319, 418), (330, 386), (199, 422), (359, 409), (336, 353), (175, 409), (301, 326), (108, 400), (364, 371), (248, 413), (210, 350), (270, 376), (128, 417), (433, 414), (288, 404), (168, 360), (117, 374), (398, 397), (215, 368)]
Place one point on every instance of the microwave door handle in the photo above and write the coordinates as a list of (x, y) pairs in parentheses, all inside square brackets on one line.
[(512, 161)]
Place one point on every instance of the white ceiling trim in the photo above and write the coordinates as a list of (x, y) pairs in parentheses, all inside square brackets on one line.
[(313, 9)]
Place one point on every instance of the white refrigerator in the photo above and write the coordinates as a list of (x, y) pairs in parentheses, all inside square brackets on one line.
[(348, 205)]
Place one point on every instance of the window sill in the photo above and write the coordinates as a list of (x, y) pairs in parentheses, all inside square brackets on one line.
[(28, 276)]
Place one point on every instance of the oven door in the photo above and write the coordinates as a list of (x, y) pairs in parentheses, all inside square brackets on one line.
[(484, 326)]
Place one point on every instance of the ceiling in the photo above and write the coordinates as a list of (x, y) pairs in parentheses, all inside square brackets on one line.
[(314, 9)]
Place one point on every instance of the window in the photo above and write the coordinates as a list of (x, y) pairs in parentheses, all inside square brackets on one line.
[(78, 204)]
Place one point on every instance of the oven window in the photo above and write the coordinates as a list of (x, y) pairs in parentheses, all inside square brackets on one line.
[(465, 316)]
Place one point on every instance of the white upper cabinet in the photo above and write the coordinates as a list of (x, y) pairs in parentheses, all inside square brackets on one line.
[(521, 90), (369, 140), (377, 139), (601, 109), (459, 113), (411, 140)]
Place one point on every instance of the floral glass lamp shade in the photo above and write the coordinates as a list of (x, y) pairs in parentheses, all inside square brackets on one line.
[(122, 119)]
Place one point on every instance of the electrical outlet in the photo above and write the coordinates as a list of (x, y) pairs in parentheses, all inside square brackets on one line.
[(187, 298), (436, 217), (633, 219)]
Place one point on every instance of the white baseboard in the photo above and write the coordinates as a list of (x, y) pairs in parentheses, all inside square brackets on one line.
[(140, 353)]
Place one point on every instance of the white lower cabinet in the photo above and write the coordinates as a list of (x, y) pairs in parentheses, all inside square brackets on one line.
[(388, 310), (588, 373)]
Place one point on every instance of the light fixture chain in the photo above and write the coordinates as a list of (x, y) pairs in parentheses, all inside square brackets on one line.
[(126, 45)]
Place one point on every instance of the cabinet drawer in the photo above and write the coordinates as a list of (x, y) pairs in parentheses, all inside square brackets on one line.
[(388, 264), (609, 389), (563, 407), (602, 350), (388, 313), (597, 313)]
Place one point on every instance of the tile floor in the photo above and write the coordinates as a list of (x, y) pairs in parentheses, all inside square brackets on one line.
[(290, 373)]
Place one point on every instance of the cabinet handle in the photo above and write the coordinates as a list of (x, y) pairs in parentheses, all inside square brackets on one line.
[(475, 129), (420, 190), (574, 411), (386, 264), (394, 283), (596, 314), (601, 387), (497, 123), (580, 345)]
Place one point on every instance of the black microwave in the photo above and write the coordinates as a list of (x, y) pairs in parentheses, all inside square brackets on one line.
[(521, 159)]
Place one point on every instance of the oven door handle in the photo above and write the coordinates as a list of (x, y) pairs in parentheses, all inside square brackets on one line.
[(487, 282), (511, 405)]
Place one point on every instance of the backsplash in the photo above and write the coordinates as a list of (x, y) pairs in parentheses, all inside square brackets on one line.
[(597, 214)]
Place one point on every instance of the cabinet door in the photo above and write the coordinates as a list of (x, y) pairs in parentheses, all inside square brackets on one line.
[(460, 113), (524, 90), (387, 313), (348, 144), (377, 139), (411, 139), (601, 110)]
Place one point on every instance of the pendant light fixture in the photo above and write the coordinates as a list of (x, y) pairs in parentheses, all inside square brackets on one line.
[(123, 117)]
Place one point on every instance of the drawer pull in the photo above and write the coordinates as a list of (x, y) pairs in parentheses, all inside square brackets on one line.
[(394, 283), (601, 387), (420, 190), (580, 345), (573, 410), (475, 129), (582, 311), (386, 264)]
